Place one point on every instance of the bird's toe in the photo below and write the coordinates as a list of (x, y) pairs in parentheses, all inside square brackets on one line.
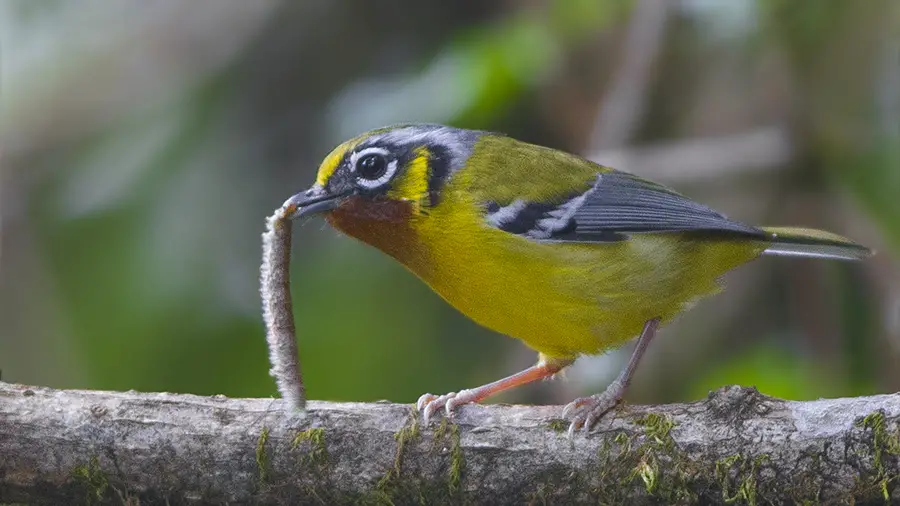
[(585, 412)]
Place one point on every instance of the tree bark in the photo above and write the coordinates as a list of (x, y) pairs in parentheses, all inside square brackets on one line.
[(736, 446)]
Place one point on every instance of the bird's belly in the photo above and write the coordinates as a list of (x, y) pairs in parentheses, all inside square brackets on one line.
[(559, 299), (547, 325), (546, 321)]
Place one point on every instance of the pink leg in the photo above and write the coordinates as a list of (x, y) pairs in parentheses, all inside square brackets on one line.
[(429, 403)]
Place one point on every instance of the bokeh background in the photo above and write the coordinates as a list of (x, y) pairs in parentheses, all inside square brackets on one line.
[(143, 144)]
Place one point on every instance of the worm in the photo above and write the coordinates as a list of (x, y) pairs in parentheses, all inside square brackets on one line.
[(275, 289)]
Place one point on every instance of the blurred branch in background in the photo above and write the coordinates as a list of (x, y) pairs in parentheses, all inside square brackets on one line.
[(704, 160), (623, 106)]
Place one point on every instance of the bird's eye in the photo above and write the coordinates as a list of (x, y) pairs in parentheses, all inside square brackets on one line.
[(371, 166)]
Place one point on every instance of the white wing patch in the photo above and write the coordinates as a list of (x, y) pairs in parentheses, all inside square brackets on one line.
[(560, 218), (506, 214)]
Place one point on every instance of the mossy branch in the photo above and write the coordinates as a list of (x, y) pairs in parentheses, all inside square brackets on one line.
[(736, 447)]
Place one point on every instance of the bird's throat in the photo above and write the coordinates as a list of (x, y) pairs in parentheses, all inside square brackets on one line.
[(384, 225)]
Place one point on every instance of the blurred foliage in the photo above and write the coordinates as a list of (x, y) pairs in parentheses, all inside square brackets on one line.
[(145, 142), (774, 370)]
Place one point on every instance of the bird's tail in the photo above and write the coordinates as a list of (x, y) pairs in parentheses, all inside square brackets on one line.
[(811, 243)]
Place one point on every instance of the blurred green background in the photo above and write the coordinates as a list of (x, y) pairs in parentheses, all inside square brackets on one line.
[(145, 142)]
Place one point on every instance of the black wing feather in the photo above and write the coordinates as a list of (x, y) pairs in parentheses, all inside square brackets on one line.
[(620, 204)]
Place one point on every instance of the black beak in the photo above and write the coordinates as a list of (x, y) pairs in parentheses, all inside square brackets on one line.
[(312, 201)]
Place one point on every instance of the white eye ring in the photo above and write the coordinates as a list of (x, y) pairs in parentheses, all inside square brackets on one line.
[(372, 184)]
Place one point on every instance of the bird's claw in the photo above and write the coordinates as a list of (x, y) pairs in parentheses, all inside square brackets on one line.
[(428, 404), (584, 412), (423, 401)]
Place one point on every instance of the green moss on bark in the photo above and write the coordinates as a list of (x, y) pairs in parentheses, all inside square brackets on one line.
[(317, 452), (93, 480), (884, 443), (262, 458)]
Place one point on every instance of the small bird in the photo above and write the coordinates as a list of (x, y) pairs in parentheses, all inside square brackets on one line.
[(571, 257)]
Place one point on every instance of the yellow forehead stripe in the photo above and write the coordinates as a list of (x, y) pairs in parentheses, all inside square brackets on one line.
[(333, 161), (412, 185)]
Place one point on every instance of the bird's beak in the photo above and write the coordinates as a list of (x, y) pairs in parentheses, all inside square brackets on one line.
[(311, 202)]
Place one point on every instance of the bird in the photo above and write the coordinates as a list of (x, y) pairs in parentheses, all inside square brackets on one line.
[(571, 257)]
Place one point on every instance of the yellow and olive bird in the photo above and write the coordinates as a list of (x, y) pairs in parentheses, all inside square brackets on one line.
[(569, 256)]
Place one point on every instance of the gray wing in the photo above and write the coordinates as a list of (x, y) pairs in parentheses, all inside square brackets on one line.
[(618, 204)]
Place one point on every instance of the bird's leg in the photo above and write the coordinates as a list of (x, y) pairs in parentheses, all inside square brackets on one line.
[(587, 410), (545, 368)]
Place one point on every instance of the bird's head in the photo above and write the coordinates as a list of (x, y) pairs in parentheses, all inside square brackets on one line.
[(388, 173)]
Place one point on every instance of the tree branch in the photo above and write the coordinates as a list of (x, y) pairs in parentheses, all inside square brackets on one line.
[(71, 446)]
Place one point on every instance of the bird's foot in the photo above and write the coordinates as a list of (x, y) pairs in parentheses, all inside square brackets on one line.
[(428, 404), (586, 411)]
